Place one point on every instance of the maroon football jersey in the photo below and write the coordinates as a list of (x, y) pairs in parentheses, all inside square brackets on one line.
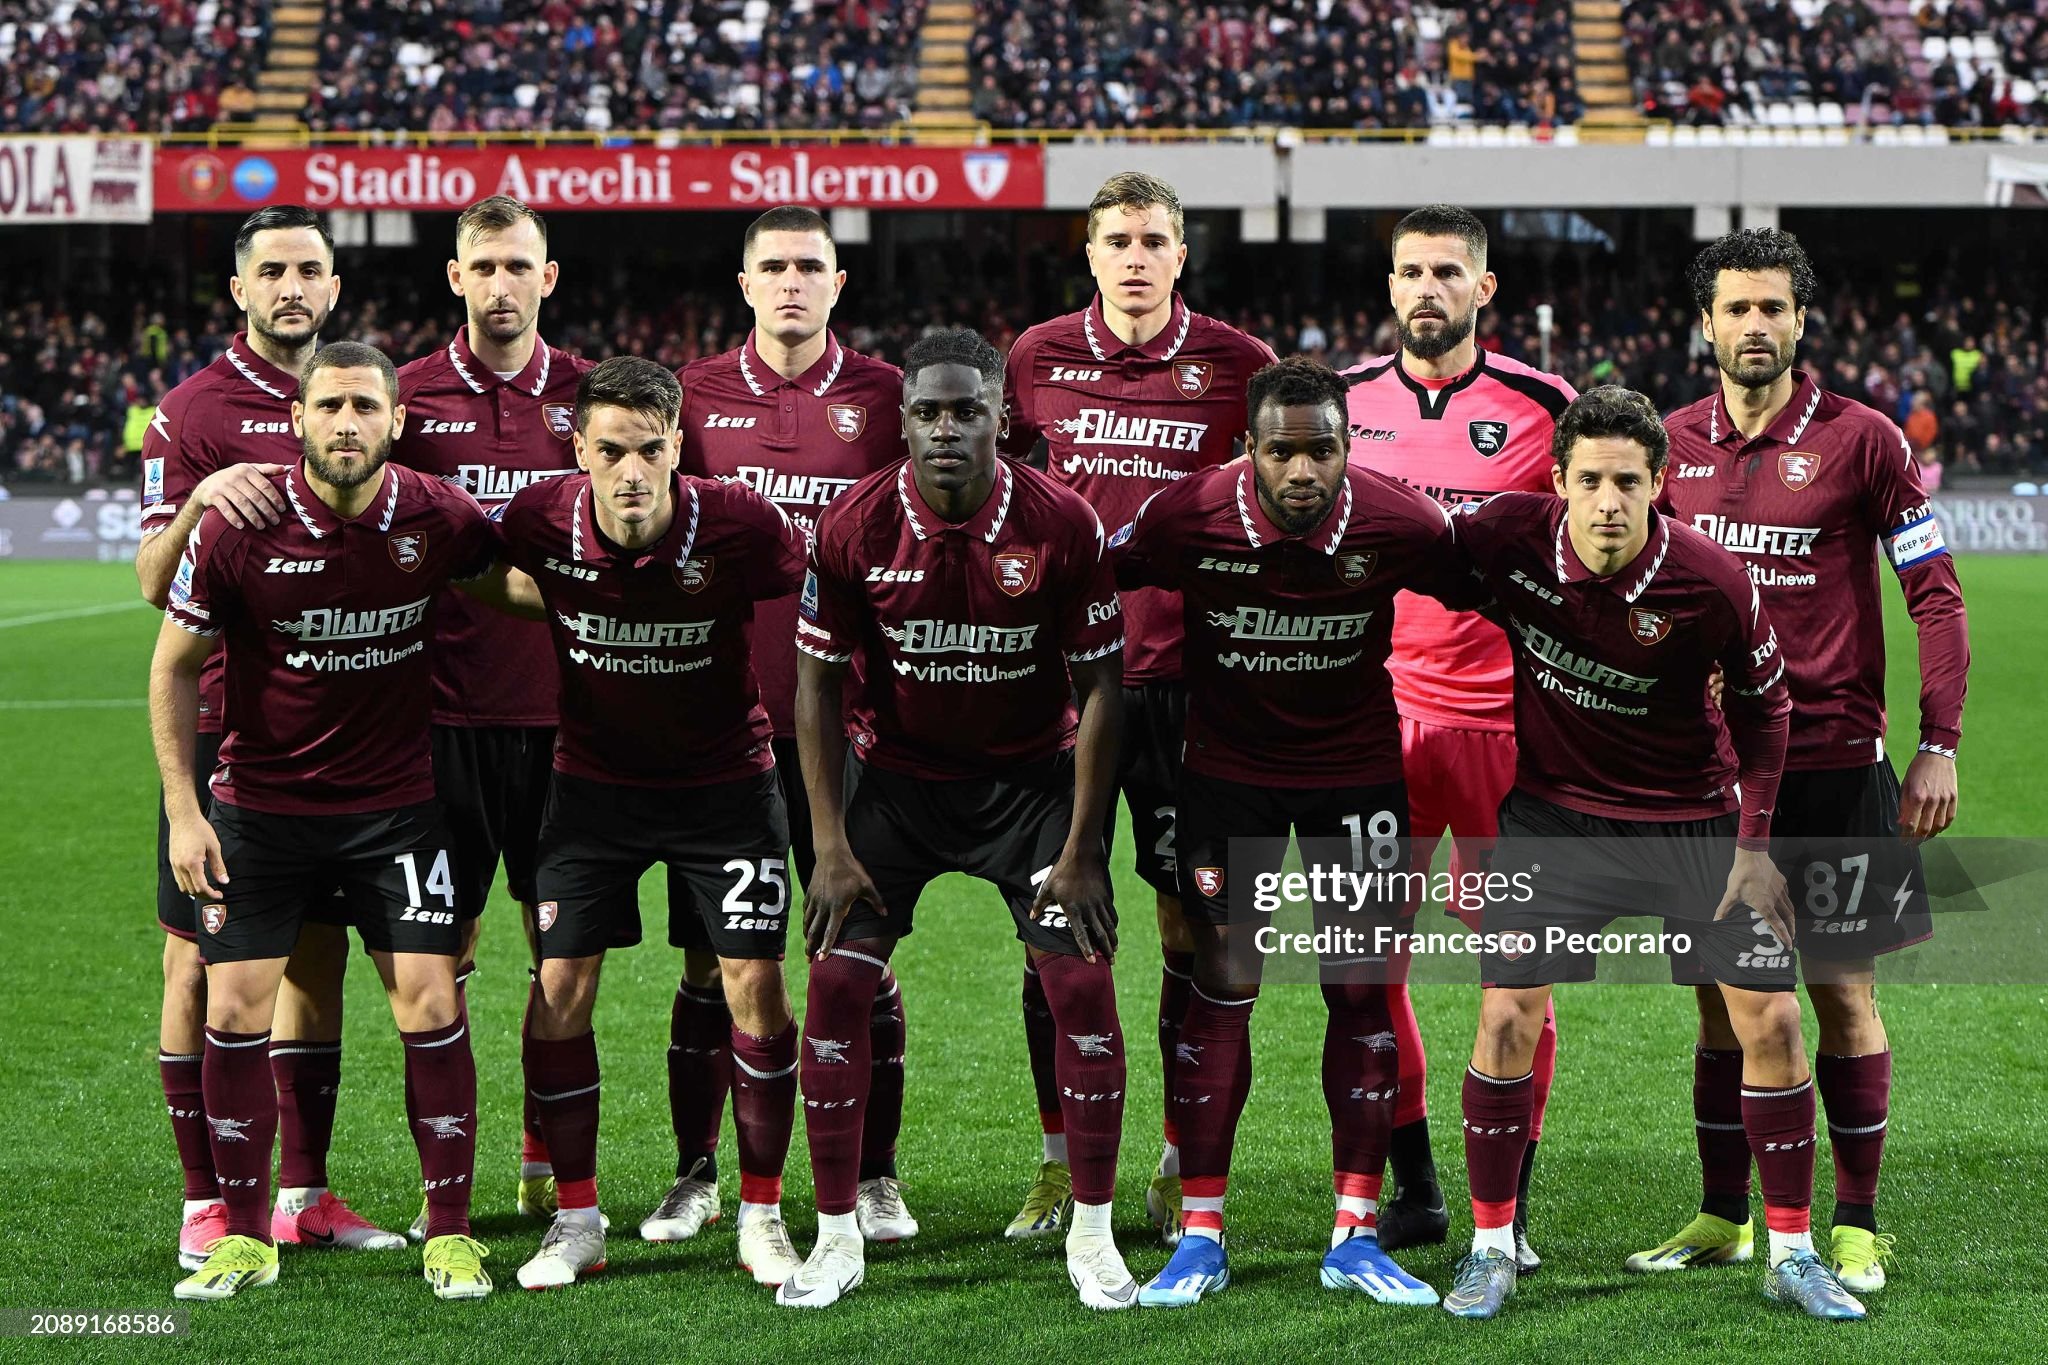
[(325, 624), (237, 410), (799, 443), (1288, 635), (1611, 709), (1807, 506), (964, 631), (1122, 422), (657, 689), (489, 437)]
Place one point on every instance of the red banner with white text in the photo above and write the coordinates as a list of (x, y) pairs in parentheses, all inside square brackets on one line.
[(644, 176)]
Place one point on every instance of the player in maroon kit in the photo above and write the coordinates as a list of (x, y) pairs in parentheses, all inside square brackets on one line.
[(799, 418), (976, 594), (1805, 487), (491, 412), (218, 441), (1633, 794), (1461, 424), (650, 579), (1131, 393), (1287, 566), (324, 783)]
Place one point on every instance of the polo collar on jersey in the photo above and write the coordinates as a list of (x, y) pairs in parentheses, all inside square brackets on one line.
[(320, 520), (987, 521), (1786, 428), (761, 376), (586, 546), (1634, 578), (260, 372), (1107, 345), (533, 380), (1435, 399), (1260, 528)]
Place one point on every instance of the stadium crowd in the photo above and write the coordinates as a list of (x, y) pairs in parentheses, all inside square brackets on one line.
[(1305, 63), (1964, 372), (122, 66), (1957, 63), (492, 66)]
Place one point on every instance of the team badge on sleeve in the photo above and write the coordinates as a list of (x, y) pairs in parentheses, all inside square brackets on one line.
[(808, 603), (1209, 881), (693, 576), (153, 481), (560, 417), (1649, 627), (1488, 438), (849, 420), (1016, 572), (408, 551), (1192, 377), (1798, 468), (1356, 568)]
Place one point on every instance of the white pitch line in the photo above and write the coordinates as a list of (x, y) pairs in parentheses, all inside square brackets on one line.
[(77, 704), (72, 614)]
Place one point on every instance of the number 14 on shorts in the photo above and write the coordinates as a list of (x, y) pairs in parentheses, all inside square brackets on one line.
[(439, 883)]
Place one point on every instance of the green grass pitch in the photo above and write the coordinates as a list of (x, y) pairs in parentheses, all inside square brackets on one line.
[(91, 1182)]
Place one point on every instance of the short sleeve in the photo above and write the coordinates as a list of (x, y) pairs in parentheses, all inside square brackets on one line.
[(203, 588), (1142, 553), (1091, 620), (1023, 433), (477, 543), (830, 613), (777, 548), (175, 457)]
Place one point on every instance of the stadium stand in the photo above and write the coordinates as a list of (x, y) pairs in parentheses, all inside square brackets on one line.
[(1305, 63), (511, 65), (127, 66), (1807, 70)]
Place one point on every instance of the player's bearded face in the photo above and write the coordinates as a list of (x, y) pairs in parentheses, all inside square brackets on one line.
[(346, 426), (1437, 291), (1754, 326), (288, 286), (502, 277), (1298, 460)]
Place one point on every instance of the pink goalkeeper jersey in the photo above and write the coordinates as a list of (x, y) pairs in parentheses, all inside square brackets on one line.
[(1459, 441)]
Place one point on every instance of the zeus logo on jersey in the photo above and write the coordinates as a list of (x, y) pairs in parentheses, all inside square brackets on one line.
[(1752, 539), (1067, 374), (333, 623), (295, 566), (1531, 585), (572, 570), (436, 426), (1261, 623), (252, 427), (1103, 427), (1553, 652), (1695, 471), (594, 628), (947, 637), (715, 421), (792, 490), (483, 481)]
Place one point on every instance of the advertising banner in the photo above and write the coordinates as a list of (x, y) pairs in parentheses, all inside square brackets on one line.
[(642, 176), (74, 180)]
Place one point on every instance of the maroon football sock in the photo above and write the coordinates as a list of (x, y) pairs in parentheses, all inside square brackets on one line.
[(1412, 1104), (308, 1077), (699, 1073), (1857, 1092), (1717, 1124), (1212, 1081), (441, 1108), (763, 1110), (533, 1143), (180, 1073), (562, 1075), (1361, 1074), (1038, 1043), (886, 1037), (1496, 1132), (241, 1116), (1088, 1056), (1779, 1123), (1543, 1072), (1176, 981), (835, 1070)]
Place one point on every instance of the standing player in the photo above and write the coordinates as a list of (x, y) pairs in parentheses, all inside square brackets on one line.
[(492, 412), (1805, 486), (1633, 794), (799, 418), (976, 594), (650, 579), (1460, 424), (1287, 568), (237, 410), (1131, 393), (324, 783)]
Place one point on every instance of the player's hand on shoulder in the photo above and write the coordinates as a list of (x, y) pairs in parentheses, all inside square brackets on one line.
[(196, 857), (243, 494), (1755, 882), (1927, 797), (838, 883), (1078, 885)]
